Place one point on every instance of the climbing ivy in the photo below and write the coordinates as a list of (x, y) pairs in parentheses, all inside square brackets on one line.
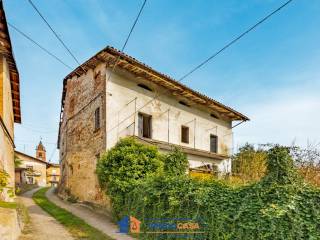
[(4, 181), (279, 206)]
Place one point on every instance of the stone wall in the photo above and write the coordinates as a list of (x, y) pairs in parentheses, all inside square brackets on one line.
[(80, 143)]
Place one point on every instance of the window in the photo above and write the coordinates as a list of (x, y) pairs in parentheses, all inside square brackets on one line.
[(97, 119), (184, 103), (29, 180), (144, 87), (213, 143), (184, 134), (214, 115), (144, 125), (29, 167)]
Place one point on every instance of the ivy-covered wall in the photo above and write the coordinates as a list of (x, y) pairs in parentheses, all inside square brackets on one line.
[(280, 206)]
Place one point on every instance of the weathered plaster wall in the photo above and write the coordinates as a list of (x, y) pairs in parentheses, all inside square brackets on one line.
[(6, 127), (10, 226), (122, 120), (80, 143), (38, 167)]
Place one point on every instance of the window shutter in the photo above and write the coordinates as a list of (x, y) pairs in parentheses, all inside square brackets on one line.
[(140, 125)]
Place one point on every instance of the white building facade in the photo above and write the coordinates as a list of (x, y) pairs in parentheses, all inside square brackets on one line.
[(113, 95)]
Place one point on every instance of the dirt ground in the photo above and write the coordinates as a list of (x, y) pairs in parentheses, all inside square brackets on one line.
[(41, 226)]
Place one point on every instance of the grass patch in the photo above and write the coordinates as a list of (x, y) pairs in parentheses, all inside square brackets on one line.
[(12, 205), (78, 228)]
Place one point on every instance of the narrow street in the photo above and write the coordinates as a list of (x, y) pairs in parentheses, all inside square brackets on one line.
[(41, 226), (94, 219)]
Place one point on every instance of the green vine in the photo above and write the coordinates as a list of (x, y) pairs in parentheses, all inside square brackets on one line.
[(279, 206)]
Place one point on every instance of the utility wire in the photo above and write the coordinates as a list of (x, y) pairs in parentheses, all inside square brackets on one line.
[(234, 40), (38, 131), (207, 60), (128, 37), (37, 44), (134, 24), (54, 32)]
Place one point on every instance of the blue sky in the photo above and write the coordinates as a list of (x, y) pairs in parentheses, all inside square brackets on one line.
[(272, 75)]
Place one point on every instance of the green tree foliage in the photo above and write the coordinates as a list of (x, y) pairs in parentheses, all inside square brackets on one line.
[(249, 163), (4, 182), (17, 161), (279, 206), (175, 162), (124, 165)]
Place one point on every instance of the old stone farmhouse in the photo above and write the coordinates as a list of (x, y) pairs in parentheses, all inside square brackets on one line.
[(36, 170), (102, 102), (9, 102)]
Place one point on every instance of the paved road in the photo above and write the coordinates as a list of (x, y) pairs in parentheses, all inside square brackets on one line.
[(94, 219), (42, 226)]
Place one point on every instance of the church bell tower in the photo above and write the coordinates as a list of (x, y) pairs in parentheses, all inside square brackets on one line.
[(41, 152)]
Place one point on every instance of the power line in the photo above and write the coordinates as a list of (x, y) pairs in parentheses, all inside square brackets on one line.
[(134, 24), (234, 40), (54, 32), (38, 131), (128, 37), (207, 60), (37, 44)]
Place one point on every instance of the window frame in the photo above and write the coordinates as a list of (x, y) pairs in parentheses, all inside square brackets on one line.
[(185, 138), (215, 148), (141, 128), (97, 119)]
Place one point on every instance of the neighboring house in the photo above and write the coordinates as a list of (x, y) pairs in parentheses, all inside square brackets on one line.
[(36, 170), (99, 107), (53, 174), (9, 101)]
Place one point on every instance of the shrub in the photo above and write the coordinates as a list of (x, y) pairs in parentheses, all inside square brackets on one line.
[(249, 164), (280, 206), (175, 162), (122, 166), (4, 181)]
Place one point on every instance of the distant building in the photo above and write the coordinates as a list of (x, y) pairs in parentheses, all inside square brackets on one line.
[(53, 174), (100, 106), (9, 101), (36, 170), (31, 171)]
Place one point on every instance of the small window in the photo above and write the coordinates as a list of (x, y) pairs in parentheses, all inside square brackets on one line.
[(97, 119), (214, 115), (184, 103), (29, 167), (144, 125), (144, 87), (213, 143), (184, 134)]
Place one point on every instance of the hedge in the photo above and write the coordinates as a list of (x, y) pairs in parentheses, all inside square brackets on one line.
[(280, 206)]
